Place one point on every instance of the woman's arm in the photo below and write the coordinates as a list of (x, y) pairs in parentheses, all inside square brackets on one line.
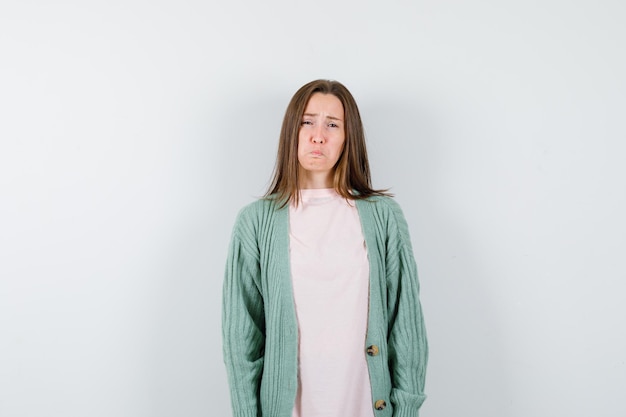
[(407, 344), (243, 324)]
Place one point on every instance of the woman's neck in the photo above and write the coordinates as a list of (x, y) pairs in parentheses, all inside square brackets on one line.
[(315, 180)]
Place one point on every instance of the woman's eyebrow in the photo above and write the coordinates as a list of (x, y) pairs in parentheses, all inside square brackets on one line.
[(328, 117)]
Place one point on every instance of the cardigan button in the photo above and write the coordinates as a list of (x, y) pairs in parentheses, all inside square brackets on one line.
[(372, 350), (380, 405)]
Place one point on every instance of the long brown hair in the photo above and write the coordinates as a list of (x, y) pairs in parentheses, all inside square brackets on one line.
[(352, 172)]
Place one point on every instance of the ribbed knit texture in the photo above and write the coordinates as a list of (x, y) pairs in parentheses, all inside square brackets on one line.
[(259, 321)]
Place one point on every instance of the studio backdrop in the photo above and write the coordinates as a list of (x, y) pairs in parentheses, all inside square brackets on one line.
[(132, 132)]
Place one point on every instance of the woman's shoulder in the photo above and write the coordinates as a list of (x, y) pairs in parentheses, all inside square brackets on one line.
[(261, 208), (386, 213), (259, 222)]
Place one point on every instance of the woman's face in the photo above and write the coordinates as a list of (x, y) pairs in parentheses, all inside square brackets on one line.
[(321, 136)]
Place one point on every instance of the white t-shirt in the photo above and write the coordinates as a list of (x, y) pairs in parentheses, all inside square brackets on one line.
[(330, 275)]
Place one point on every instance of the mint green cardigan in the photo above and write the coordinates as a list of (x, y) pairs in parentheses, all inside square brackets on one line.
[(260, 329)]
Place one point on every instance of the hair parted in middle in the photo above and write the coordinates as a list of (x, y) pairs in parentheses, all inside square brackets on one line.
[(352, 178)]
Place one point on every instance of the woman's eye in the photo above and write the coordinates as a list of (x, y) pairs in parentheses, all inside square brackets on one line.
[(333, 125), (306, 122)]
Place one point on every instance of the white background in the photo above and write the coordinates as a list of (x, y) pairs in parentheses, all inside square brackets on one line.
[(133, 131)]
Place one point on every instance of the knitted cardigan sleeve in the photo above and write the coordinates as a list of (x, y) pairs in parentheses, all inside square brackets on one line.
[(243, 323), (407, 344)]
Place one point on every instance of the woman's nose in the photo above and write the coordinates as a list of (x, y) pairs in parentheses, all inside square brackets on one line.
[(318, 136)]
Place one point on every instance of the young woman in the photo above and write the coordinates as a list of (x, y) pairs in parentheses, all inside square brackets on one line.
[(321, 315)]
